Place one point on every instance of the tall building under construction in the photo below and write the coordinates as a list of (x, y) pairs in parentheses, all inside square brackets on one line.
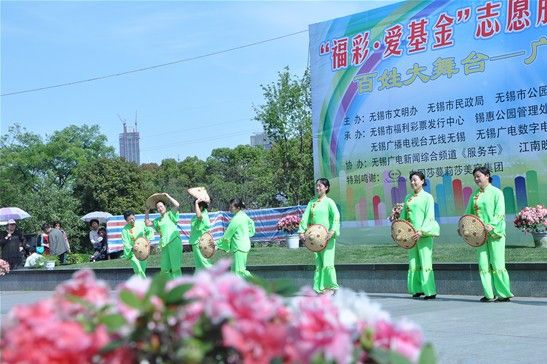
[(129, 144)]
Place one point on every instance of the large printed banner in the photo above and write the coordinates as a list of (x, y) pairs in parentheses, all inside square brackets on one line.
[(436, 86)]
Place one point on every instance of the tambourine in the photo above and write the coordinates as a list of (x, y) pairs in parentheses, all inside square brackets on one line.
[(141, 248), (402, 232), (472, 230), (315, 238)]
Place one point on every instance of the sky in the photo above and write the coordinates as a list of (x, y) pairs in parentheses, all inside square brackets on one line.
[(184, 109)]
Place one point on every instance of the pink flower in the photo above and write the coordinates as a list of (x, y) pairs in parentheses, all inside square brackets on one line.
[(316, 329), (404, 338), (83, 285), (4, 267), (289, 223)]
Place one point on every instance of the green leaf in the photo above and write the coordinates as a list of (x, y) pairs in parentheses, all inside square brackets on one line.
[(283, 287), (112, 345), (176, 295), (382, 356), (113, 321), (132, 300), (427, 356), (157, 287)]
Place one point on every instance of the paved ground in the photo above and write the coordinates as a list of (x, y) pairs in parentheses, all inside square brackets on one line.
[(463, 330)]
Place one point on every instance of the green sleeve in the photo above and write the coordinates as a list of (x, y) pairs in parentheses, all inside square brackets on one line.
[(429, 227), (156, 223), (404, 214), (252, 230), (498, 215), (205, 222), (173, 216), (305, 217), (224, 242), (334, 218), (149, 233), (127, 245), (469, 209)]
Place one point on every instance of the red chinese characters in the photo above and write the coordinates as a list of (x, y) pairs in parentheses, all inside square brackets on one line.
[(417, 39), (339, 53), (518, 15), (443, 31), (487, 20), (392, 40), (541, 12), (359, 48)]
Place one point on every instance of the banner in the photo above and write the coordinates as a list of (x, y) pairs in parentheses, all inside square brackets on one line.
[(435, 86), (265, 225)]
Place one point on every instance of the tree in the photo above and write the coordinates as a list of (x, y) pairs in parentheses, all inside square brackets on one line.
[(286, 118)]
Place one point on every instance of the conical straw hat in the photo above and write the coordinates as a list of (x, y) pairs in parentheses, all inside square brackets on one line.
[(315, 238), (199, 193), (472, 230), (207, 245), (141, 248), (402, 232), (155, 198)]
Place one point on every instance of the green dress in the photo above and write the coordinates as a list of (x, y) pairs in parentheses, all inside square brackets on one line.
[(323, 212), (489, 206), (198, 227), (419, 210), (129, 235), (170, 244), (236, 240)]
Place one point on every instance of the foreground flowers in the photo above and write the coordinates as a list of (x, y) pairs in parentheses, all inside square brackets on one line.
[(211, 317)]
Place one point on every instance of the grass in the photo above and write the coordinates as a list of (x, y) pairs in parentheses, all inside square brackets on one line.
[(345, 254)]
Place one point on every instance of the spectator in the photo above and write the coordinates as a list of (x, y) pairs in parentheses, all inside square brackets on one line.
[(100, 248), (12, 243), (94, 232), (57, 225), (57, 244), (34, 259)]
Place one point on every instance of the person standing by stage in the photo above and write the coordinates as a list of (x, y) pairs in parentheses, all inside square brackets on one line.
[(57, 244), (166, 225), (488, 204), (236, 239), (322, 210), (130, 232), (199, 225), (12, 242), (419, 210)]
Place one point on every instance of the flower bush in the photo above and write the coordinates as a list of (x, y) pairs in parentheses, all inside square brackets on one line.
[(289, 224), (396, 212), (211, 317), (532, 219), (4, 267)]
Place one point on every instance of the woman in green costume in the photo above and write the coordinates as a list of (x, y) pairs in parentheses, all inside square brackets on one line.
[(488, 204), (419, 210), (199, 225), (236, 239), (130, 233), (170, 243), (322, 210)]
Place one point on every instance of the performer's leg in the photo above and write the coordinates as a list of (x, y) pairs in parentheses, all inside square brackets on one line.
[(175, 258), (239, 265), (502, 286), (137, 266), (414, 284), (485, 271), (427, 277), (199, 260), (325, 272)]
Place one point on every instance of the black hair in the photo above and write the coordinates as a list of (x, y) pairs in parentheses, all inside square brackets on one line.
[(420, 176), (325, 182), (237, 202), (202, 204), (45, 226), (127, 213), (102, 229), (484, 171), (56, 222), (92, 221)]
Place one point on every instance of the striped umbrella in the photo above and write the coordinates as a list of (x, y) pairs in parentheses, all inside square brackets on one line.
[(15, 213)]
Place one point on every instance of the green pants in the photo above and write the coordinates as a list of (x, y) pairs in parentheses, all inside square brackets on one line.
[(239, 264), (325, 274), (171, 257), (199, 260), (421, 278), (139, 266), (494, 276)]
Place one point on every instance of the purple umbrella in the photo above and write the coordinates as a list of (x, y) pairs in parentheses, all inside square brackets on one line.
[(15, 213)]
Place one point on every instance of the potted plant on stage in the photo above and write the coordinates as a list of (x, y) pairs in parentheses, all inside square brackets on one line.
[(290, 224), (533, 220)]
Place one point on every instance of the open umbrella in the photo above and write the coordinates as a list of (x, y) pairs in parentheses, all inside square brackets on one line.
[(15, 213), (98, 215)]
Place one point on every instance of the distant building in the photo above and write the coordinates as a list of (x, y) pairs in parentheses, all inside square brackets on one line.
[(129, 145), (261, 139)]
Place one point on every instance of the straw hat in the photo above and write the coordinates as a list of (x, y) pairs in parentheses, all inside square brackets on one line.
[(141, 248), (315, 238), (472, 230), (155, 198), (207, 245), (199, 193), (402, 232)]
